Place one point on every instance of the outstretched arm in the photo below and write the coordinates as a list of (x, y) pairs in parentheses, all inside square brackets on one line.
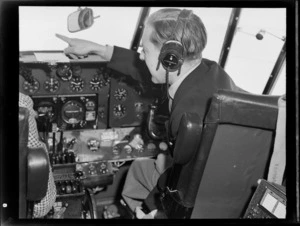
[(119, 59), (80, 47)]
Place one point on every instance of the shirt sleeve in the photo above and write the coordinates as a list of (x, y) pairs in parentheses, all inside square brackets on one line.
[(43, 207)]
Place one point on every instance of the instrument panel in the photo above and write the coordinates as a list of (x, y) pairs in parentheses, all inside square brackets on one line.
[(49, 84), (66, 112), (90, 99), (59, 88)]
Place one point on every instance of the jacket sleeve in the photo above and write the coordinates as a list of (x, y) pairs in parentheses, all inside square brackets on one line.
[(127, 62)]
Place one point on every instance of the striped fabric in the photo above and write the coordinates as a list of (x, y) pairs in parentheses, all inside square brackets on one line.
[(43, 207)]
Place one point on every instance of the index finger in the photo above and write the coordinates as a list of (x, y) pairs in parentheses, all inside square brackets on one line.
[(64, 38)]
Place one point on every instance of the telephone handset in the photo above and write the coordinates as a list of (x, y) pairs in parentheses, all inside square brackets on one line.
[(156, 123)]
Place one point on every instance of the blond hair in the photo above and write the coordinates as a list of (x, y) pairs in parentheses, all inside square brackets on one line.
[(192, 33)]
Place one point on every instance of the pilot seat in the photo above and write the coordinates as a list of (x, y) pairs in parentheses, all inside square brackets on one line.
[(215, 175)]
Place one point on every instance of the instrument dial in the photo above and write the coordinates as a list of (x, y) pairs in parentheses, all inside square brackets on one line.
[(46, 110), (120, 94), (90, 105), (73, 112), (64, 72), (31, 87), (96, 84), (116, 150), (119, 111), (128, 149), (51, 85), (77, 84), (103, 166)]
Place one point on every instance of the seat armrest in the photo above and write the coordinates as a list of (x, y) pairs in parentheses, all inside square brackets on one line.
[(38, 173)]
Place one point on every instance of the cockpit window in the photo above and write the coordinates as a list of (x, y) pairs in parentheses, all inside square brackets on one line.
[(38, 26), (256, 46)]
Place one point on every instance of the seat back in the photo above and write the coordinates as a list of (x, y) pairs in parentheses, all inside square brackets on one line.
[(33, 169), (234, 151), (237, 141)]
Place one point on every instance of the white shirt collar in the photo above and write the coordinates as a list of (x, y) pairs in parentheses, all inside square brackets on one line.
[(173, 88)]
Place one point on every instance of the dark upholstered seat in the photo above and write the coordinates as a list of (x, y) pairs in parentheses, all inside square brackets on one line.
[(33, 169), (215, 174)]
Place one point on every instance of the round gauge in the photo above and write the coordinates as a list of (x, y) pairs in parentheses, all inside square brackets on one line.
[(128, 149), (64, 72), (116, 150), (76, 84), (72, 112), (31, 87), (119, 111), (51, 85), (120, 94), (90, 105), (46, 110), (103, 166), (96, 83)]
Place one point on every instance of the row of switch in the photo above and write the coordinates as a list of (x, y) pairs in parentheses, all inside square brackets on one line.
[(62, 158), (69, 187)]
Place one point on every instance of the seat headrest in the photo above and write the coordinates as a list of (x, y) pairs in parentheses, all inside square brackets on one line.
[(243, 109)]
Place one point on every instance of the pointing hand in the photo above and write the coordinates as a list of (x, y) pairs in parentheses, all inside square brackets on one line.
[(78, 48)]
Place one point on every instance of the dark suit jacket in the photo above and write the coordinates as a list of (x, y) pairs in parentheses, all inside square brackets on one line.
[(193, 95)]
